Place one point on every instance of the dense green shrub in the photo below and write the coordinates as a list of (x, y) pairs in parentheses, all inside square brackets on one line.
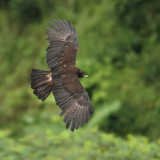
[(81, 145)]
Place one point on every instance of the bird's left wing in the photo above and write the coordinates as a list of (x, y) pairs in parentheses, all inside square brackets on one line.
[(73, 99)]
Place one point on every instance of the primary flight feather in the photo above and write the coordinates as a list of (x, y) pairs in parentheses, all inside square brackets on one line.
[(63, 79)]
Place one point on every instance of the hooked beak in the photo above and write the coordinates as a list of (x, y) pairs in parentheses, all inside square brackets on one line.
[(86, 76)]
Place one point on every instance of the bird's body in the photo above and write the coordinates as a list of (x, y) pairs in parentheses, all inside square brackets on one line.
[(63, 79)]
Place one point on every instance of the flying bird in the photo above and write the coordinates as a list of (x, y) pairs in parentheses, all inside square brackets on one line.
[(63, 78)]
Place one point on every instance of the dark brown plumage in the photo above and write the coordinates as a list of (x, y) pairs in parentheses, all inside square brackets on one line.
[(63, 79)]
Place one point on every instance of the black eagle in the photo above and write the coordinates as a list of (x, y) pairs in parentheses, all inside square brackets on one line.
[(63, 78)]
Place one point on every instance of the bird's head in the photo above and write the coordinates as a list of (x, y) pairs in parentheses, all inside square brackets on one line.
[(82, 74)]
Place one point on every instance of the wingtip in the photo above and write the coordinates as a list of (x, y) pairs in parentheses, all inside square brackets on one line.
[(61, 114), (67, 125), (52, 24), (72, 130)]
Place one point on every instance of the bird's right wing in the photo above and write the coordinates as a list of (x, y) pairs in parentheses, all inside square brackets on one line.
[(63, 44)]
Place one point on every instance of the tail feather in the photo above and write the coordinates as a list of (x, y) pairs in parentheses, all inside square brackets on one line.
[(41, 83)]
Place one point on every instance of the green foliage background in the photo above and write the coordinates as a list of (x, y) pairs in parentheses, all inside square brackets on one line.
[(118, 48)]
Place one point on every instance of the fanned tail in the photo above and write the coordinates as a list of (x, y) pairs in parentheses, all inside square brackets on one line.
[(41, 82)]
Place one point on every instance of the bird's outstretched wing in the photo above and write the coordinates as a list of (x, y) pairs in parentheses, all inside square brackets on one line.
[(72, 98), (63, 44), (69, 94)]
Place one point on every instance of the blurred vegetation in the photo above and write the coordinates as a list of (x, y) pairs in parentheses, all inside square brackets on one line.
[(118, 48)]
